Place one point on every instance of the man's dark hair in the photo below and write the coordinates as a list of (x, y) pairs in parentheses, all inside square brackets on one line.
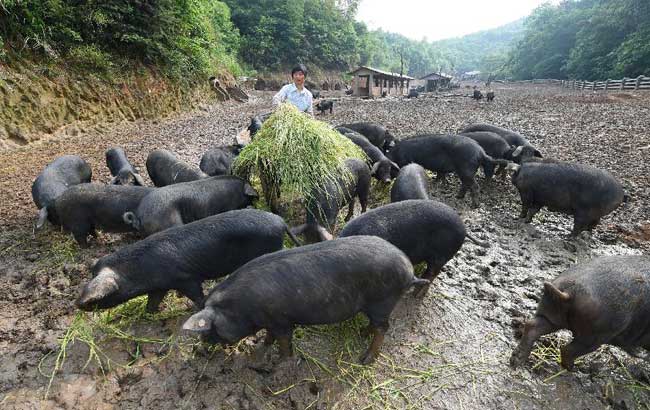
[(299, 67)]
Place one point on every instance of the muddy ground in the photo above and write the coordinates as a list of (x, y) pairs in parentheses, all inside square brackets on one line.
[(449, 352)]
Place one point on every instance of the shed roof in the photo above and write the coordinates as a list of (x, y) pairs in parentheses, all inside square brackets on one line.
[(436, 76), (386, 73)]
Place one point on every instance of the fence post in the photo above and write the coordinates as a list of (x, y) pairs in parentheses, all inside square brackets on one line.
[(606, 84), (593, 86), (623, 83), (638, 82), (583, 85), (574, 84)]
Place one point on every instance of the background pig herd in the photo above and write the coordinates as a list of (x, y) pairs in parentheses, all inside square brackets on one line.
[(195, 228)]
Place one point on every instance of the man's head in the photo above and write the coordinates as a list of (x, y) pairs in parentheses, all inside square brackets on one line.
[(298, 74)]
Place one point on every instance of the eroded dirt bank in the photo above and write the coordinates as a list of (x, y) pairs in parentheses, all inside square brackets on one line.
[(450, 351)]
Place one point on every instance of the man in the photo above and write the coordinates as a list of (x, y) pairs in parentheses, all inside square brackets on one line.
[(296, 93)]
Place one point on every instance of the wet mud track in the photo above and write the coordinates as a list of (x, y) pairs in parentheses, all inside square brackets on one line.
[(450, 351)]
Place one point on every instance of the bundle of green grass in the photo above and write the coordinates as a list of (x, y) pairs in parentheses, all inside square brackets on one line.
[(295, 154)]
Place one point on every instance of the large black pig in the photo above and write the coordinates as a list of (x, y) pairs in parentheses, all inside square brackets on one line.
[(513, 138), (179, 204), (377, 134), (412, 183), (218, 161), (323, 208), (603, 301), (165, 169), (443, 154), (586, 192), (121, 169), (181, 258), (83, 208), (381, 167), (57, 176), (495, 146), (425, 230), (315, 284)]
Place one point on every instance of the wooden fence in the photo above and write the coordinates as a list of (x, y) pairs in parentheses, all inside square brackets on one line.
[(639, 83)]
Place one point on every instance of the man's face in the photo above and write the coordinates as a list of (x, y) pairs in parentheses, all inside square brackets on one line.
[(299, 78)]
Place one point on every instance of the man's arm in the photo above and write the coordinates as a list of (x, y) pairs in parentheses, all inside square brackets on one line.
[(280, 97), (310, 100)]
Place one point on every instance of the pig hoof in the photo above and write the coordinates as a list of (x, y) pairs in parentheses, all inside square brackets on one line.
[(515, 360), (367, 358), (421, 292)]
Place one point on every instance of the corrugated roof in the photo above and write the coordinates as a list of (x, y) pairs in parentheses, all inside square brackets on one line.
[(405, 77), (436, 76)]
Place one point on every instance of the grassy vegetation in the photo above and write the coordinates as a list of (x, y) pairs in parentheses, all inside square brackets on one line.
[(296, 154)]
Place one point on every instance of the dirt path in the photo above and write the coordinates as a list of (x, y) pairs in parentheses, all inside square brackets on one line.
[(451, 351)]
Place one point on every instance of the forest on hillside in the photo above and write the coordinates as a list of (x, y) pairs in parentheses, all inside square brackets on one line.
[(186, 39), (586, 39)]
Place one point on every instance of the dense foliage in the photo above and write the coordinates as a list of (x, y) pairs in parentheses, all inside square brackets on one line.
[(323, 33), (587, 39), (182, 38)]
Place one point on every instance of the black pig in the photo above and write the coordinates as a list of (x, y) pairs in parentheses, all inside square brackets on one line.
[(411, 183), (323, 207), (165, 169), (513, 138), (315, 284), (583, 191), (121, 169), (381, 167), (493, 145), (181, 258), (443, 154), (425, 230), (57, 176), (325, 105), (218, 161), (85, 207), (377, 134), (602, 301), (179, 204)]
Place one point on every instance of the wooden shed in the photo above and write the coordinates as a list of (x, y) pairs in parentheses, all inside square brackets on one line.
[(371, 82), (435, 81)]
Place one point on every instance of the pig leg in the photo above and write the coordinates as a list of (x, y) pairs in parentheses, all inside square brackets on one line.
[(574, 350), (432, 272), (350, 211), (533, 330), (373, 350), (81, 236), (473, 193), (193, 291), (580, 223), (154, 299), (284, 338), (378, 315), (488, 171), (530, 214), (363, 192)]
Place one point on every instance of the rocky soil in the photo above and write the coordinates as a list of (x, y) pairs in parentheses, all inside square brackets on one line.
[(450, 351)]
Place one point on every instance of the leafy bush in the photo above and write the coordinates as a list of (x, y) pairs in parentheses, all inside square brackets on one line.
[(183, 38)]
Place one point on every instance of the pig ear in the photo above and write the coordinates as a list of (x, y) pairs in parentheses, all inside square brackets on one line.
[(537, 154), (517, 151), (513, 167), (556, 293), (42, 217), (138, 179), (374, 168), (250, 191), (200, 322), (105, 284)]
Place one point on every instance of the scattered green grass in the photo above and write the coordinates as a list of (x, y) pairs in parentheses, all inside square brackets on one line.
[(96, 329)]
